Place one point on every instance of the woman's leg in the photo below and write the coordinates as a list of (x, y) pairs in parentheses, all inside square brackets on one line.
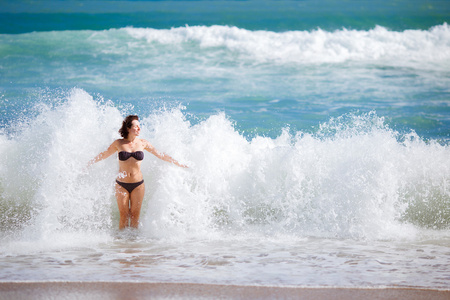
[(123, 200), (136, 198)]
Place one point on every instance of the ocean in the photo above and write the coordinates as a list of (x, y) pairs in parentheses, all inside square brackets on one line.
[(316, 134)]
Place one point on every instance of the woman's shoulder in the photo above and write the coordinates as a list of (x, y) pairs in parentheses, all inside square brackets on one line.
[(146, 144), (118, 142)]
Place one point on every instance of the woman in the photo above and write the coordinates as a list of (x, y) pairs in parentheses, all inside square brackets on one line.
[(130, 186)]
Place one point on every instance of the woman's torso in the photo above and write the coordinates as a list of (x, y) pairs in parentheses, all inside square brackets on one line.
[(130, 160)]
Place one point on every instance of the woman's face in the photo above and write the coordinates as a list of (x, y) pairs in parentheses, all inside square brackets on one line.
[(135, 128)]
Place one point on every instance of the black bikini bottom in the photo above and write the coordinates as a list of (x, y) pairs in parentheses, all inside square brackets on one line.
[(130, 186)]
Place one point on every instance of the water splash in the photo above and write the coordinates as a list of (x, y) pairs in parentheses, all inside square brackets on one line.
[(354, 178)]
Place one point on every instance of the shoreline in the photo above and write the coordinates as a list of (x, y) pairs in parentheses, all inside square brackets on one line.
[(143, 290)]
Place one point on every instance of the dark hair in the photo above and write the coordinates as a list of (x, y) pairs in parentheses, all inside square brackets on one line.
[(127, 124)]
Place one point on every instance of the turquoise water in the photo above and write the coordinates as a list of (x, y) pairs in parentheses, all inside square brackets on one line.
[(286, 63), (26, 16), (316, 134), (263, 80)]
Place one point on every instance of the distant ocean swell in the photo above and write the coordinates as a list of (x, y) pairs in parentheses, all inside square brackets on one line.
[(410, 47), (402, 75), (354, 178)]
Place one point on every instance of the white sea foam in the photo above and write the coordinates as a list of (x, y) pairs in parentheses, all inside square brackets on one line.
[(355, 178), (410, 48)]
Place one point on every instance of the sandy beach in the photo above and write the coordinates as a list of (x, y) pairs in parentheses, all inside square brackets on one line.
[(126, 290)]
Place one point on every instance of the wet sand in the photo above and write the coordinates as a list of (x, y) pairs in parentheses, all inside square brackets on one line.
[(125, 290)]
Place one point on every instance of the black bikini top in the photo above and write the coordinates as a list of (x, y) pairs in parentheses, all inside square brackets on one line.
[(138, 155)]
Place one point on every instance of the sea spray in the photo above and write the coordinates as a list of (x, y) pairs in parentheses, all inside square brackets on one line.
[(353, 178), (48, 160), (65, 194)]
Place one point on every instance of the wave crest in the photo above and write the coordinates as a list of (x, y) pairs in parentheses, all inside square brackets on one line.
[(408, 48)]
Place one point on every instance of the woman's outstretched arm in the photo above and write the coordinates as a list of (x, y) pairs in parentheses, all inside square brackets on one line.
[(105, 154), (149, 147)]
